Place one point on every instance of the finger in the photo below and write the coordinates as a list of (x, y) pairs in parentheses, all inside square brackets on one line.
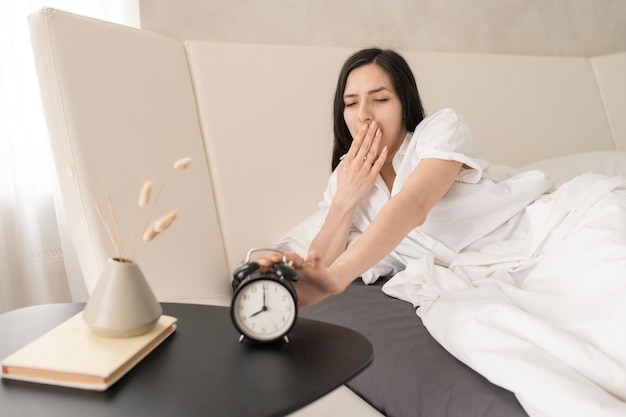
[(373, 152), (377, 166), (276, 258), (295, 259), (368, 139), (356, 142)]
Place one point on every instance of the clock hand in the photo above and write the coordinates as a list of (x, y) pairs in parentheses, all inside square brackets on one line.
[(258, 312), (264, 308), (264, 292)]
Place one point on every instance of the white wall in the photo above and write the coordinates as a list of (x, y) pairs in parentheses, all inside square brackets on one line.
[(537, 27)]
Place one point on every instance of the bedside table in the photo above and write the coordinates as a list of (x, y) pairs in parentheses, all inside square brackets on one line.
[(201, 369)]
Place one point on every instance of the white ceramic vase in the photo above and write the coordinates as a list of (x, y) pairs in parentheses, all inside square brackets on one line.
[(122, 304)]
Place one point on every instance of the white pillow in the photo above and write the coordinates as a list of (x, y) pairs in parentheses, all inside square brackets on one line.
[(564, 168)]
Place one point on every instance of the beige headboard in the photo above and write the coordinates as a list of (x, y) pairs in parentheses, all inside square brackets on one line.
[(522, 108), (122, 104), (120, 110)]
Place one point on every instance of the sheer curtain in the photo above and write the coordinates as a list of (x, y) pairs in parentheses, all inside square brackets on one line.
[(37, 263)]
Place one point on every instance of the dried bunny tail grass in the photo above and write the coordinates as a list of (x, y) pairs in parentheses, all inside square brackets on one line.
[(108, 230), (182, 163), (135, 246), (144, 199), (149, 234), (116, 225), (165, 221), (155, 228), (144, 195), (152, 230)]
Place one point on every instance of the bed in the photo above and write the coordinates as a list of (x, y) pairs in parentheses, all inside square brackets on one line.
[(474, 345), (512, 332), (412, 375)]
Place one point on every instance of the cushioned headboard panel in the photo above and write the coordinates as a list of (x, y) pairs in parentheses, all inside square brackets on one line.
[(252, 98), (120, 109), (610, 72), (522, 108), (266, 118)]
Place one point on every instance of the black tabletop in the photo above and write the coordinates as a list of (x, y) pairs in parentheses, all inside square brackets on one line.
[(201, 370)]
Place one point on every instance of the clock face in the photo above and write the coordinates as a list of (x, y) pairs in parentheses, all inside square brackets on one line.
[(264, 309)]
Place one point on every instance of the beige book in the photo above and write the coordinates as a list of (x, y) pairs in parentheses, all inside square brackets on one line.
[(71, 355)]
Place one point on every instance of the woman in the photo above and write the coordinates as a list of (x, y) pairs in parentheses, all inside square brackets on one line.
[(504, 276), (390, 168)]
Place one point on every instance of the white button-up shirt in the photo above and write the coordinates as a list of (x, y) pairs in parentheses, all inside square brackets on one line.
[(473, 207)]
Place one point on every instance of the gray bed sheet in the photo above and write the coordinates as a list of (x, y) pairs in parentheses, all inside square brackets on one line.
[(412, 375)]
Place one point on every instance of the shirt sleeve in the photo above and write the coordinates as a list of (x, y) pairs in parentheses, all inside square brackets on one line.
[(447, 135)]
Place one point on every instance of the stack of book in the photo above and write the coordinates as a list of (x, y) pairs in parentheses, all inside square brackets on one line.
[(71, 355)]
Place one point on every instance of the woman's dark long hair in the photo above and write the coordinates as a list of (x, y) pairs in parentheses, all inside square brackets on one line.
[(403, 83)]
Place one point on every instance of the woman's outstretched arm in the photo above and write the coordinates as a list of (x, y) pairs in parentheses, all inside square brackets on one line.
[(407, 210)]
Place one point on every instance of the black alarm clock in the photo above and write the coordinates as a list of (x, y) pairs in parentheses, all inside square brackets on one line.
[(264, 306)]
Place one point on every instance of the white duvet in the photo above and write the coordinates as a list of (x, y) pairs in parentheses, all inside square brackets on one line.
[(542, 314)]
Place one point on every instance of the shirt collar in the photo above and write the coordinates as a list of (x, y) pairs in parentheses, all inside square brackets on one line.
[(401, 153)]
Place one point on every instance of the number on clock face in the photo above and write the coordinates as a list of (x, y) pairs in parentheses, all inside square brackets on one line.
[(264, 310)]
